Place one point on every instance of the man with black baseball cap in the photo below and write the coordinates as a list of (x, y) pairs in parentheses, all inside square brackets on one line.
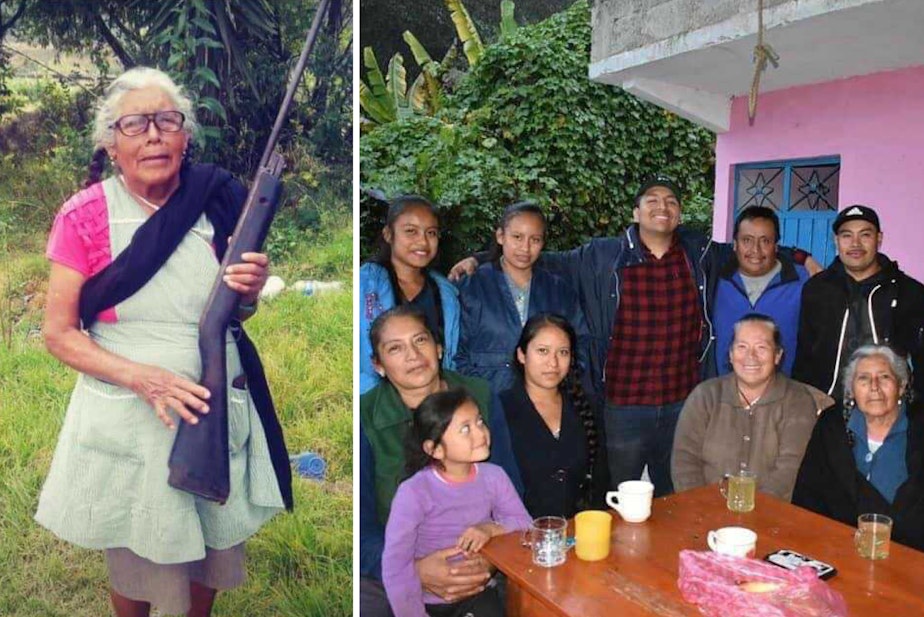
[(861, 298)]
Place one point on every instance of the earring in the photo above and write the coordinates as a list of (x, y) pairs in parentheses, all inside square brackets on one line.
[(381, 373)]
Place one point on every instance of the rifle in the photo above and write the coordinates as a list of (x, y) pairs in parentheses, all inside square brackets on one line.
[(199, 461)]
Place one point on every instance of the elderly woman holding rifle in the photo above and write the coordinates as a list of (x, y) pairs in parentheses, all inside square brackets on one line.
[(132, 261)]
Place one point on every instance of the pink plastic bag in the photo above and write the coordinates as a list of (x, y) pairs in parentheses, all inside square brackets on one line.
[(719, 585)]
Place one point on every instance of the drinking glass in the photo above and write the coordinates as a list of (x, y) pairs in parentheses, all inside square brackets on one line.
[(872, 536), (547, 536), (738, 490)]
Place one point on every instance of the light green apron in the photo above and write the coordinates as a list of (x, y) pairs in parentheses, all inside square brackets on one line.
[(107, 486)]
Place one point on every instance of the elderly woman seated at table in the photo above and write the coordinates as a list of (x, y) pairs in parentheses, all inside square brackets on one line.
[(867, 456), (753, 418)]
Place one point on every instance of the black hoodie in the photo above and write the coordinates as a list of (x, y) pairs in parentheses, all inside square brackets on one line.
[(839, 315)]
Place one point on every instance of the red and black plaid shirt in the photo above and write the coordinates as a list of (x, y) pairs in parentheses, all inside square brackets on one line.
[(653, 356)]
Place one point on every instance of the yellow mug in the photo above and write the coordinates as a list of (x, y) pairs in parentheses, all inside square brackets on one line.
[(592, 534)]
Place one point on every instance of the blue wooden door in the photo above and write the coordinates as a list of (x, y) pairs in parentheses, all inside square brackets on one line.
[(804, 194), (810, 231)]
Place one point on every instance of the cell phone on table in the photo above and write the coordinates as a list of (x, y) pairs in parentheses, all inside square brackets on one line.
[(791, 560)]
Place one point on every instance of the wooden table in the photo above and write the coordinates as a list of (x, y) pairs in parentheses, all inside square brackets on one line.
[(640, 575)]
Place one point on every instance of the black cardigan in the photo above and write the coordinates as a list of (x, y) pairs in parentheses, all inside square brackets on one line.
[(829, 483), (554, 470)]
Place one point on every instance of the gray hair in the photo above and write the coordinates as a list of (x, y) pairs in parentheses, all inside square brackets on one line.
[(897, 363), (135, 79)]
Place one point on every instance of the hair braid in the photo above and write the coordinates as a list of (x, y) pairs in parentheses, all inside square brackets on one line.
[(95, 170), (585, 412)]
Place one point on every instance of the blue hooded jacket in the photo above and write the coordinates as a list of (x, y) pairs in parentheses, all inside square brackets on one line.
[(781, 300), (376, 296)]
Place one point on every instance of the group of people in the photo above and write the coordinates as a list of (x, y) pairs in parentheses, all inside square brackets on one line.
[(533, 382)]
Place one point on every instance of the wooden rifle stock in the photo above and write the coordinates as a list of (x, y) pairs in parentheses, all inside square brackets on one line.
[(200, 461)]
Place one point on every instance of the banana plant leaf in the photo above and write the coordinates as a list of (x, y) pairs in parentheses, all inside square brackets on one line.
[(466, 30)]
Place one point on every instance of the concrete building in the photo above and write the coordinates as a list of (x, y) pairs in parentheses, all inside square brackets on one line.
[(840, 121)]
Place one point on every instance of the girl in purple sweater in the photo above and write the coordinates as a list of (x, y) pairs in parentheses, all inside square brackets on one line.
[(450, 499)]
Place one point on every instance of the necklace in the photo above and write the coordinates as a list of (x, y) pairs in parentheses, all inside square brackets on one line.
[(747, 402), (138, 197)]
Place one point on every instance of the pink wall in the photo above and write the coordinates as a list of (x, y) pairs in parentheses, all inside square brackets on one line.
[(874, 122)]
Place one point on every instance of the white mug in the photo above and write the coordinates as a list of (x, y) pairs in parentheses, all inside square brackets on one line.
[(632, 499), (734, 541)]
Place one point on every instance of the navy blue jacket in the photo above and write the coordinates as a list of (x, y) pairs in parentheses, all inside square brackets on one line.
[(554, 469), (594, 270), (490, 324)]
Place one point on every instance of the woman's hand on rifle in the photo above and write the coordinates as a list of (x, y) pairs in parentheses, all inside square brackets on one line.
[(248, 277)]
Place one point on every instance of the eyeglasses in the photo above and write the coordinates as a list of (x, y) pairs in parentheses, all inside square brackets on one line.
[(136, 124)]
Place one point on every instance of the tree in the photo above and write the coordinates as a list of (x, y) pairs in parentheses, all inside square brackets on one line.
[(232, 55), (10, 13), (384, 21), (388, 97)]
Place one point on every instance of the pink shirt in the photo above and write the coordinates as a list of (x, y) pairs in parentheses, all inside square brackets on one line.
[(79, 237)]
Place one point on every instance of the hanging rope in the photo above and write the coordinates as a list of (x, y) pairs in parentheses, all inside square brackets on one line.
[(763, 53)]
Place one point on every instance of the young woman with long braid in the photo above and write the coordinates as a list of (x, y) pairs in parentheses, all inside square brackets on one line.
[(556, 434)]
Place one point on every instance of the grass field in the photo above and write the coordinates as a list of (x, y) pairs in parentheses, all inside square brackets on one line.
[(300, 563)]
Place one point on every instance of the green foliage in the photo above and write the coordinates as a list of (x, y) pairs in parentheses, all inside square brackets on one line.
[(374, 97), (426, 93), (526, 123), (326, 114), (317, 198), (212, 48), (388, 99), (508, 25), (697, 212), (7, 103)]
